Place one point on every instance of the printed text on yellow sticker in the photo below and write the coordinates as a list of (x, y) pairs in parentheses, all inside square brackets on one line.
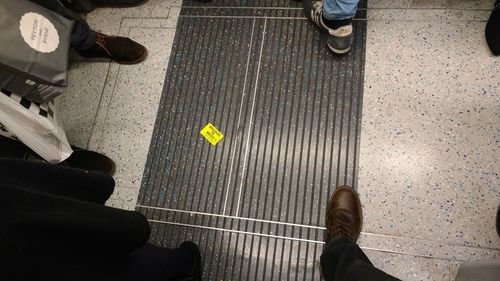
[(212, 134)]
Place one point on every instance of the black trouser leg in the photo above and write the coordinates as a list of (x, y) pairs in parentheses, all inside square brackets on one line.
[(56, 180), (343, 260), (82, 36), (155, 263)]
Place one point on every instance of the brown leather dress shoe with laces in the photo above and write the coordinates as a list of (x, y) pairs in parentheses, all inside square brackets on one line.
[(120, 49), (344, 215)]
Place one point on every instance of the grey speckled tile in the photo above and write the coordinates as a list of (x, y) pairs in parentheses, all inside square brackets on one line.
[(428, 15), (115, 203), (86, 81), (425, 248), (454, 266), (127, 123), (108, 20), (426, 4), (428, 157), (169, 22), (159, 52), (126, 142), (411, 268), (124, 197)]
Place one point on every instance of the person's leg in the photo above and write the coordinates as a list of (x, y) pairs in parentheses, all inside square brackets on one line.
[(85, 6), (340, 9), (155, 263), (492, 30), (344, 260), (82, 36), (52, 179), (91, 44)]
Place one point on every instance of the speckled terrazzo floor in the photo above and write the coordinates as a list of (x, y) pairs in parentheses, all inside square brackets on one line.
[(428, 171)]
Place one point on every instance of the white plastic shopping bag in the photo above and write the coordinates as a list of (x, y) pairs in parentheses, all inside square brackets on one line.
[(35, 125)]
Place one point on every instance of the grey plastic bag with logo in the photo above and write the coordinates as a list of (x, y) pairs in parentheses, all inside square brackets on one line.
[(34, 43)]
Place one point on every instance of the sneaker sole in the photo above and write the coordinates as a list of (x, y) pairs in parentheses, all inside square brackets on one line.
[(338, 51)]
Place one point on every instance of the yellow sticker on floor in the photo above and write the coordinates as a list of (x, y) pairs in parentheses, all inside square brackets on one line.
[(212, 134)]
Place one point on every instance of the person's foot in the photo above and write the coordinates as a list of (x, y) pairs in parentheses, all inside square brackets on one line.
[(339, 33), (90, 160), (120, 49), (195, 274), (343, 214)]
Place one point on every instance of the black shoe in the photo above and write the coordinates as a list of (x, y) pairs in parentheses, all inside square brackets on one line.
[(85, 6), (90, 160), (195, 274), (120, 49)]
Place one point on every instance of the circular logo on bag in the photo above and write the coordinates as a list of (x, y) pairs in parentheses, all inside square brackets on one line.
[(39, 33)]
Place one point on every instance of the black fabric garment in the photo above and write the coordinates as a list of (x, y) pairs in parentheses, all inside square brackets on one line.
[(86, 6), (75, 183), (343, 260), (82, 36), (79, 5), (54, 226), (492, 31)]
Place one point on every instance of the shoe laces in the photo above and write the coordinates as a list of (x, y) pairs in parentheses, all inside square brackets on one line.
[(101, 41), (341, 227)]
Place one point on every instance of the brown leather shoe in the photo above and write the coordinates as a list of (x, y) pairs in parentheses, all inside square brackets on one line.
[(120, 49), (343, 214)]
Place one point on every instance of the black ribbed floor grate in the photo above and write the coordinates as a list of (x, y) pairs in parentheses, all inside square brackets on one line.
[(290, 114)]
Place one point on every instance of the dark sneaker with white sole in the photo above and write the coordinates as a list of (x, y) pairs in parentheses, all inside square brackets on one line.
[(339, 40)]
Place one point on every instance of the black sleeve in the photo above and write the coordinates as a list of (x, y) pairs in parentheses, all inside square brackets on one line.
[(57, 180), (29, 215)]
